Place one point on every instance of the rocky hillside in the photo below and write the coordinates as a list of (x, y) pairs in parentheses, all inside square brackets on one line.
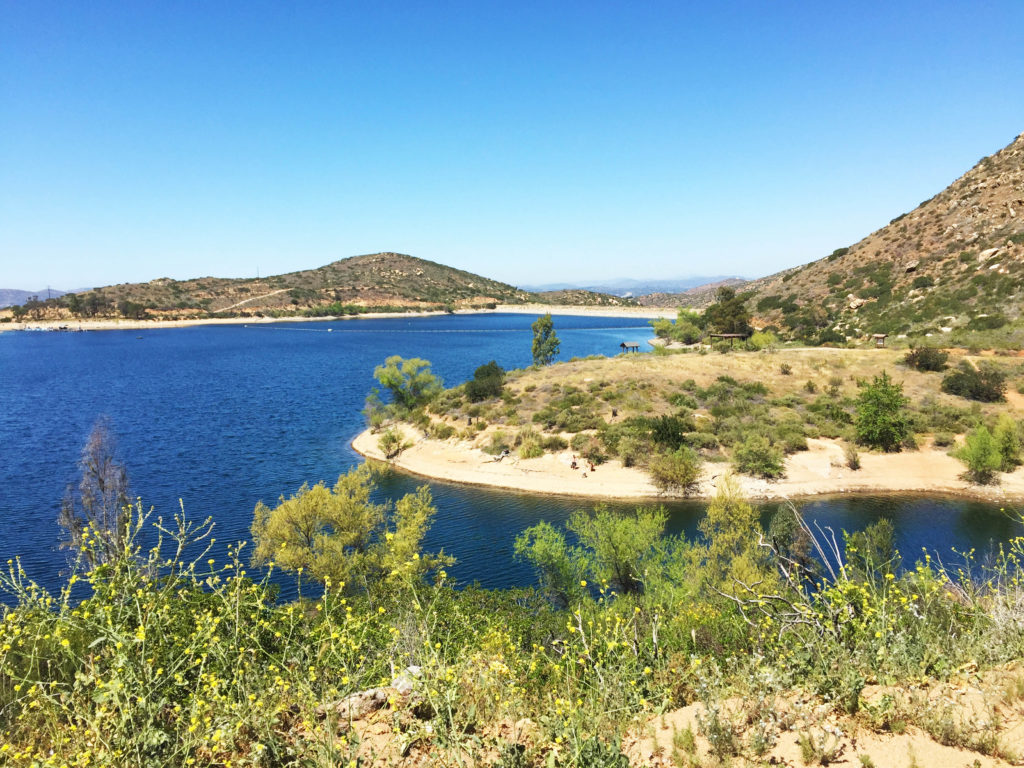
[(954, 262)]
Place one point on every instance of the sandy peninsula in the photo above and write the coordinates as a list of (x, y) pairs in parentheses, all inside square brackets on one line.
[(819, 471)]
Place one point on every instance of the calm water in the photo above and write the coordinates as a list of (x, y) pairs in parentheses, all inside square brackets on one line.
[(224, 416)]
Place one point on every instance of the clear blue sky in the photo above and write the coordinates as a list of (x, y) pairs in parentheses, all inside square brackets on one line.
[(527, 141)]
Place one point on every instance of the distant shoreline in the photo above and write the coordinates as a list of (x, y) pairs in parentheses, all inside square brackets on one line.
[(519, 309)]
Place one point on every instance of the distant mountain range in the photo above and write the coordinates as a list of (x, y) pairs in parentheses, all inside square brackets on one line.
[(627, 287), (11, 296)]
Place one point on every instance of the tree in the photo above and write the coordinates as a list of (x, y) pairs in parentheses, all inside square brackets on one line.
[(730, 555), (410, 382), (97, 509), (487, 382), (560, 568), (620, 544), (340, 535), (1007, 437), (881, 420), (545, 342), (980, 452), (729, 313)]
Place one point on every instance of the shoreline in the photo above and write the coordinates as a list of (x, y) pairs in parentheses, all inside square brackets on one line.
[(114, 324), (818, 472)]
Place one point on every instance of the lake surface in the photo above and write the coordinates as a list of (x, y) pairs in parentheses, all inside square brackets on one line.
[(221, 417)]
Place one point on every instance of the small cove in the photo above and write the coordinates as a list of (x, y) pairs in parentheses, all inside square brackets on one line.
[(221, 417)]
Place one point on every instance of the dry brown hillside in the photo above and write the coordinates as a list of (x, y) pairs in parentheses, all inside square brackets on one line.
[(950, 263)]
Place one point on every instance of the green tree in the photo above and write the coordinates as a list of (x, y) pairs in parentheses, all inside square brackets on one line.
[(881, 420), (340, 535), (620, 544), (410, 382), (560, 567), (545, 342), (488, 381), (1007, 437), (729, 313), (980, 452), (731, 529)]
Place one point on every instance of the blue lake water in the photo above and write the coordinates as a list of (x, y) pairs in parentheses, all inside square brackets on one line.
[(221, 417)]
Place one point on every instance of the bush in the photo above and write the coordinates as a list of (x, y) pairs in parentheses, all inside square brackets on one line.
[(487, 382), (1007, 437), (881, 420), (441, 431), (926, 358), (391, 443), (980, 453), (987, 322), (677, 471), (986, 383), (785, 369), (758, 457)]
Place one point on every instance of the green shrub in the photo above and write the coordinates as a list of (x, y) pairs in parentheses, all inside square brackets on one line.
[(675, 472), (1007, 437), (926, 358), (986, 383), (980, 453), (441, 431), (881, 420), (987, 322), (487, 382), (758, 457)]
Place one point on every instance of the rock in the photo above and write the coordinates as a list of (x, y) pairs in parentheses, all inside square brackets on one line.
[(857, 303), (912, 266), (988, 253), (357, 705), (406, 680)]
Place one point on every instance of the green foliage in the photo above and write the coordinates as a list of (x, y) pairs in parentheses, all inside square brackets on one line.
[(545, 342), (881, 420), (980, 452), (728, 314), (762, 340), (674, 471), (560, 568), (619, 545), (410, 382), (487, 382), (1007, 438), (758, 457), (986, 383), (926, 358), (391, 443), (338, 535), (730, 554), (987, 322)]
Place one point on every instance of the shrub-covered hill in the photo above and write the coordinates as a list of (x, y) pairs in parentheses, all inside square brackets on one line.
[(381, 281), (374, 280), (954, 262)]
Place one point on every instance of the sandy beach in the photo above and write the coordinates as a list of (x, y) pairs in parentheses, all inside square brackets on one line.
[(819, 471), (117, 324)]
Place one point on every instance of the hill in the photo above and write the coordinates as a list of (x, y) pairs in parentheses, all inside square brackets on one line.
[(953, 263), (697, 297), (12, 296)]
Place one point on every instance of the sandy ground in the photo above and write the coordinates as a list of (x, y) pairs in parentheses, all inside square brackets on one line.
[(114, 324), (819, 471)]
